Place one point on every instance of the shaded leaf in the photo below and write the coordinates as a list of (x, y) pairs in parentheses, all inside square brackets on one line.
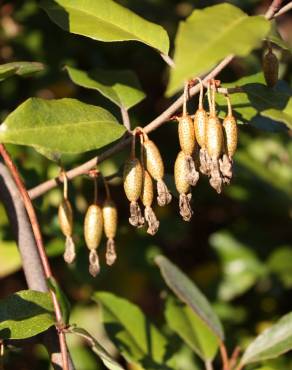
[(273, 342), (187, 292), (275, 37), (25, 314), (20, 69), (208, 36), (97, 348), (280, 263), (136, 338), (64, 126), (190, 327), (105, 20), (62, 299), (241, 267), (121, 87), (10, 260)]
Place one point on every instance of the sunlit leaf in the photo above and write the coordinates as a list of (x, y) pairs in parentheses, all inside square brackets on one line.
[(20, 69), (105, 20), (10, 260), (208, 36)]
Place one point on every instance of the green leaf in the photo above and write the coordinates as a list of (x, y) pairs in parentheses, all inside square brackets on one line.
[(10, 260), (20, 69), (63, 126), (272, 343), (190, 327), (280, 263), (121, 87), (62, 299), (25, 314), (241, 267), (136, 338), (97, 348), (275, 37), (105, 20), (256, 98), (188, 293), (210, 35)]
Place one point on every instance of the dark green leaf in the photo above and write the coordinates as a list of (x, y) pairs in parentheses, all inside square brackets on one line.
[(105, 20), (187, 292), (121, 87), (208, 36), (190, 327), (273, 342), (20, 69), (105, 357), (62, 126), (62, 299), (25, 314), (136, 338)]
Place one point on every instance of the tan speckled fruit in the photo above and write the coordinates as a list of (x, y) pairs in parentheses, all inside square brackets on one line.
[(186, 134), (65, 216), (93, 226), (110, 218), (147, 190), (271, 68), (180, 174), (153, 160), (231, 135), (214, 137), (200, 124), (133, 179)]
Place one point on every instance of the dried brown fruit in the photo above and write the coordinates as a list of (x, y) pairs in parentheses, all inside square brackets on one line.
[(133, 180), (183, 186), (65, 217), (271, 68), (155, 167), (110, 222), (93, 228), (147, 196)]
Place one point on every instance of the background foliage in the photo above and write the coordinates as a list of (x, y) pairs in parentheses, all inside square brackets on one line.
[(237, 248)]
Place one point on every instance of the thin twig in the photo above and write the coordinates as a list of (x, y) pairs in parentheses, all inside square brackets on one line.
[(273, 8), (224, 356), (157, 122), (126, 118), (234, 357), (168, 60), (40, 246), (283, 10)]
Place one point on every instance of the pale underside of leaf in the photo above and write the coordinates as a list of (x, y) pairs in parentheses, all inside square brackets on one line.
[(106, 20), (273, 342)]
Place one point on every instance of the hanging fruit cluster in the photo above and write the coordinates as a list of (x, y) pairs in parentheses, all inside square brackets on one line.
[(207, 146)]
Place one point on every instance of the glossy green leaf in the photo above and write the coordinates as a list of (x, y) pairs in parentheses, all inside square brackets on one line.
[(241, 267), (64, 126), (188, 293), (25, 314), (10, 260), (137, 339), (20, 69), (190, 327), (62, 299), (121, 87), (272, 343), (208, 36), (105, 20), (97, 348)]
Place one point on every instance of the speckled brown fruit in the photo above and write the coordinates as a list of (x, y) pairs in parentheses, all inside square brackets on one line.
[(153, 160), (110, 223), (186, 134), (93, 226), (230, 135), (214, 137), (200, 125), (65, 216), (271, 68), (147, 193), (133, 179), (180, 174)]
